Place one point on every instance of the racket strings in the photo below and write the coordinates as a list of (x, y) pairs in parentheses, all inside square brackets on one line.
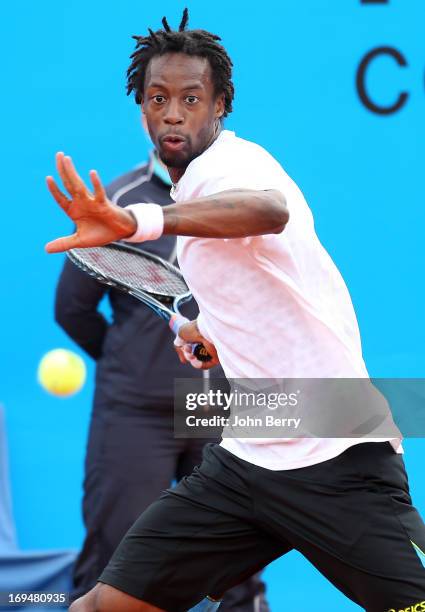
[(134, 269)]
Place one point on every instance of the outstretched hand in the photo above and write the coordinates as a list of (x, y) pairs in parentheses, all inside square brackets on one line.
[(98, 221)]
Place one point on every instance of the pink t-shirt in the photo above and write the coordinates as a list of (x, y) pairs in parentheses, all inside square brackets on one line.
[(275, 306)]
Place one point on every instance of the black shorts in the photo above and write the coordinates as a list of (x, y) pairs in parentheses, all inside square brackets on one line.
[(351, 516)]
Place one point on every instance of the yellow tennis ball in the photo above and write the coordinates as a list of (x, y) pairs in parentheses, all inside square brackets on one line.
[(61, 372)]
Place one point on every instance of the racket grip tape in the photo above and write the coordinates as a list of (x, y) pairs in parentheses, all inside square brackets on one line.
[(199, 350)]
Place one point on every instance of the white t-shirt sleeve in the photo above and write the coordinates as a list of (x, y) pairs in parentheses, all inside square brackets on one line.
[(259, 178), (240, 180), (239, 167)]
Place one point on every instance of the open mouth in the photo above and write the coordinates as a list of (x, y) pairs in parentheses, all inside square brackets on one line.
[(173, 142), (173, 138)]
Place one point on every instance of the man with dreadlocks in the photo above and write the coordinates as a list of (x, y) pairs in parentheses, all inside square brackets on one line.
[(272, 305)]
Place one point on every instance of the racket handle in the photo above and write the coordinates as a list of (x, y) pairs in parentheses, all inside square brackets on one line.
[(198, 349), (201, 352)]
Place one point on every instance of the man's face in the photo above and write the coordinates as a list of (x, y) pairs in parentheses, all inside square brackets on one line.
[(181, 108)]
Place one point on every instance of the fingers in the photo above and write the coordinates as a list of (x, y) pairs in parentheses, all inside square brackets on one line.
[(62, 171), (76, 181), (60, 197), (180, 355), (63, 244), (98, 188), (178, 346), (70, 178)]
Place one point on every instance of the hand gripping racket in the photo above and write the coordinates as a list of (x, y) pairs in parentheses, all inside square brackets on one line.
[(147, 277)]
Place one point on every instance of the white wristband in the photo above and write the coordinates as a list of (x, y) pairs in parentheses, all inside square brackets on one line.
[(150, 222)]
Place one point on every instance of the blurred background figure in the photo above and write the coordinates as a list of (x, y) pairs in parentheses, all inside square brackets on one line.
[(131, 453)]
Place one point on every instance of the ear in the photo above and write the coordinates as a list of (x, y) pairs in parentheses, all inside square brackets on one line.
[(219, 106), (142, 105)]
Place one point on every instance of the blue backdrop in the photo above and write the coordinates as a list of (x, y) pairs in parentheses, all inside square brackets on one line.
[(295, 78)]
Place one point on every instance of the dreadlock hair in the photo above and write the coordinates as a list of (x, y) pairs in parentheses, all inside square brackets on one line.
[(191, 42)]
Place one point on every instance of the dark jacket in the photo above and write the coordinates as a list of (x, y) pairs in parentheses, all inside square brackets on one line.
[(136, 362)]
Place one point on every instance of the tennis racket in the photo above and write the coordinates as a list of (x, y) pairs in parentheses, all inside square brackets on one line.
[(147, 277)]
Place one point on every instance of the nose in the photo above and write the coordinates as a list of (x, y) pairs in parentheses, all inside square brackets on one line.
[(173, 113)]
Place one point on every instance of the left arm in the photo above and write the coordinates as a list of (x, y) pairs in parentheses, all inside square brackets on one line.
[(235, 213)]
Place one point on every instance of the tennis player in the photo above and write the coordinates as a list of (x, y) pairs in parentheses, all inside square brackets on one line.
[(272, 305)]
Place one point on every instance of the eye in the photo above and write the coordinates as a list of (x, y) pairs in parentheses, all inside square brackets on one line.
[(159, 99), (191, 99)]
